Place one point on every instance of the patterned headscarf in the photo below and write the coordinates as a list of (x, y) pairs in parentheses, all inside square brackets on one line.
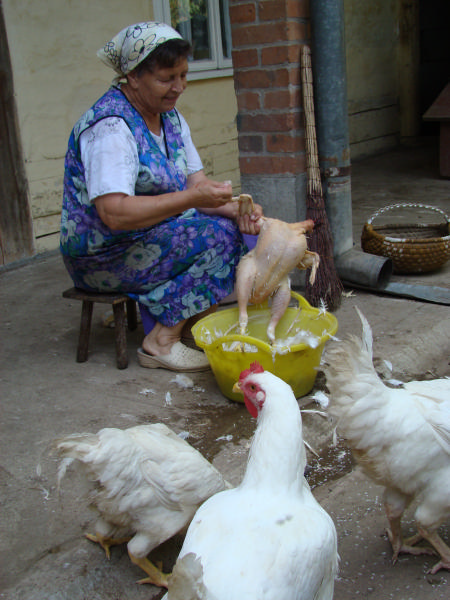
[(134, 43)]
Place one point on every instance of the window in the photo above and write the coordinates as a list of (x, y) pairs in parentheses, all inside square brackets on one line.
[(206, 24)]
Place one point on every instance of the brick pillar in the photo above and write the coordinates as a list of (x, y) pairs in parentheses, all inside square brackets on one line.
[(267, 36)]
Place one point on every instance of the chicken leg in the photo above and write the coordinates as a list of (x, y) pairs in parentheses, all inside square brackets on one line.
[(438, 543), (401, 546), (155, 575), (280, 302), (247, 274), (106, 542), (394, 505)]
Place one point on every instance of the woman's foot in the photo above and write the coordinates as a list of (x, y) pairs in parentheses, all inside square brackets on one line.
[(180, 358), (161, 348)]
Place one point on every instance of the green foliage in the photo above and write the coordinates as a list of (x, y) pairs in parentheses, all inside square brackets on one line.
[(184, 10)]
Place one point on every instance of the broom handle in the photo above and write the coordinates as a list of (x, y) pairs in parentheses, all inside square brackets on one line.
[(312, 155)]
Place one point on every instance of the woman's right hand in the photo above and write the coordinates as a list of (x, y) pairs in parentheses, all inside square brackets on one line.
[(213, 194), (210, 194), (121, 212)]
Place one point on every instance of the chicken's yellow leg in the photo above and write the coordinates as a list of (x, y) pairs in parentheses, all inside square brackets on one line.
[(155, 575), (106, 542), (400, 546), (435, 539)]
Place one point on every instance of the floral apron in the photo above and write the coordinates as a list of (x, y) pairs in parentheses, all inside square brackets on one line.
[(177, 268)]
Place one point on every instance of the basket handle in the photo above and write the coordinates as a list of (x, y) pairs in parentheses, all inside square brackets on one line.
[(393, 206)]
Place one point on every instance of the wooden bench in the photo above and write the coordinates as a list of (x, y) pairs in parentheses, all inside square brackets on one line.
[(121, 320)]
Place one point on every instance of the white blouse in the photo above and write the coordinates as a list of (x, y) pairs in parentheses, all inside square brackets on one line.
[(110, 158)]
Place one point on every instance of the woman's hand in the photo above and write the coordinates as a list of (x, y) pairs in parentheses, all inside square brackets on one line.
[(121, 212), (250, 224), (218, 201), (210, 194)]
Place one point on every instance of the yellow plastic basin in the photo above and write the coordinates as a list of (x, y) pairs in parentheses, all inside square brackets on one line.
[(229, 353)]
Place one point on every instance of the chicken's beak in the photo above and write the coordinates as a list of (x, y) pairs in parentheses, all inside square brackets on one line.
[(237, 388)]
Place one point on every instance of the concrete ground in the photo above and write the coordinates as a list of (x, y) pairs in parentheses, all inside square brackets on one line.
[(45, 394)]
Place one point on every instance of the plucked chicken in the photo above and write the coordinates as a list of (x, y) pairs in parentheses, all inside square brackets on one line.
[(400, 437), (148, 484), (268, 538), (264, 271)]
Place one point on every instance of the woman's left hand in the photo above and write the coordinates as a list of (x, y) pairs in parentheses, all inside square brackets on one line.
[(249, 224)]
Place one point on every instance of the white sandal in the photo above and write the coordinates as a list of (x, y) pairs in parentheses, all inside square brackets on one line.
[(180, 358)]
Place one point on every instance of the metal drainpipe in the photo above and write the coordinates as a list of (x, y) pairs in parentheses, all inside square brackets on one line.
[(331, 111), (330, 95)]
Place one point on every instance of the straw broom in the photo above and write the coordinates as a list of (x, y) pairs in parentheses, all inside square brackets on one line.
[(327, 287)]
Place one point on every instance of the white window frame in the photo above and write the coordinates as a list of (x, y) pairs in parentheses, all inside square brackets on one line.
[(218, 66)]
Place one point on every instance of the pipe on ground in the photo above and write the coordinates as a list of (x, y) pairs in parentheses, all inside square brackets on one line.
[(362, 269)]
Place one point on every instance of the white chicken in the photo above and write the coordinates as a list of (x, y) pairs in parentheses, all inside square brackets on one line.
[(400, 437), (268, 538), (264, 271), (148, 484)]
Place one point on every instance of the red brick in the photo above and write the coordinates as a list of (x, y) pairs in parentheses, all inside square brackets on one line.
[(294, 52), (269, 165), (248, 100), (281, 142), (298, 9), (245, 58), (259, 34), (295, 76), (296, 31), (268, 78), (269, 122), (274, 55), (288, 53), (262, 78), (278, 99), (242, 13), (271, 10), (253, 144)]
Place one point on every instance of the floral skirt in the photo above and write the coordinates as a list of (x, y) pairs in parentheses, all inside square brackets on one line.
[(176, 269)]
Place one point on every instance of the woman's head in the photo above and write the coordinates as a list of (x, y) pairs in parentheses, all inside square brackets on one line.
[(165, 56), (155, 89), (144, 47)]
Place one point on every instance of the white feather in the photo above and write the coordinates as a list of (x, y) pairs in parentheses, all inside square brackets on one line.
[(147, 481), (183, 381), (267, 539), (401, 437)]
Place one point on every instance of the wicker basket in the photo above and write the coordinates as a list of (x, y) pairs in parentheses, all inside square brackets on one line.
[(413, 248)]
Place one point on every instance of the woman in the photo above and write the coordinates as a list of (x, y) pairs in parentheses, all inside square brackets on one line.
[(139, 215)]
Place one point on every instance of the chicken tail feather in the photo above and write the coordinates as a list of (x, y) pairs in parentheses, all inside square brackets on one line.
[(367, 338), (62, 468), (71, 448)]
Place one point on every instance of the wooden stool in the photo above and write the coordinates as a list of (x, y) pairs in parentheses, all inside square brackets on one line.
[(118, 302)]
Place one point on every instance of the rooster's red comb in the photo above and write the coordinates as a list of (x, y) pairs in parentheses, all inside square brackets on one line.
[(254, 368)]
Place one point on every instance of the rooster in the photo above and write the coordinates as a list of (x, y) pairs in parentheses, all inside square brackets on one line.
[(267, 539), (149, 483), (264, 271), (400, 437)]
